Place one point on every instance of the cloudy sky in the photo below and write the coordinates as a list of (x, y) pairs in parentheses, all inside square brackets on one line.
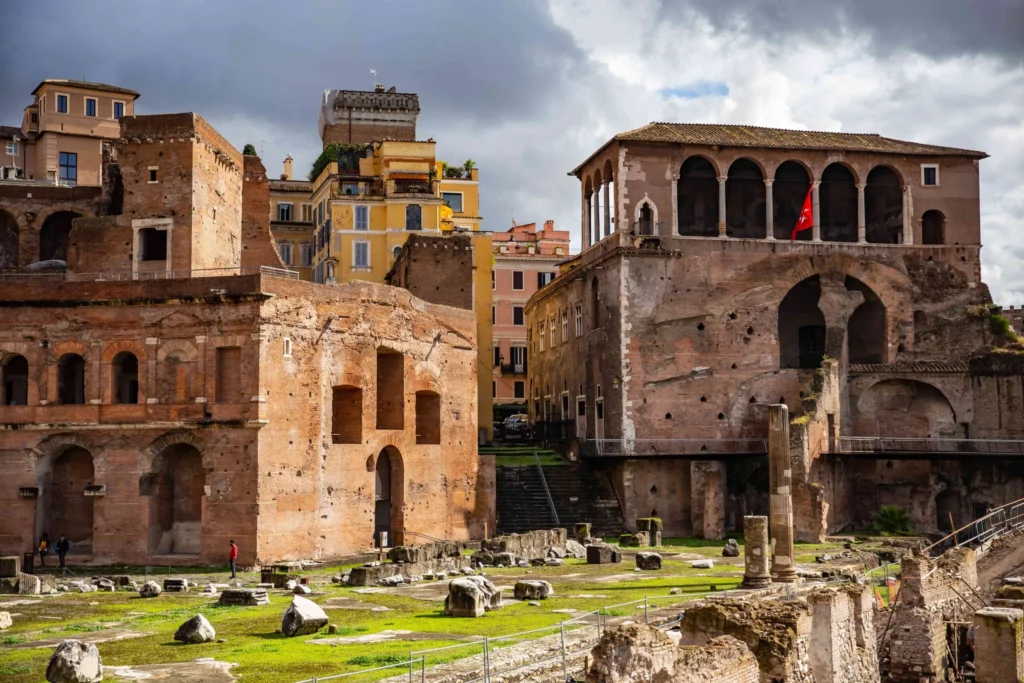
[(529, 88)]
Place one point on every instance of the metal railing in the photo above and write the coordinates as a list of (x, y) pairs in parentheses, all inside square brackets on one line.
[(998, 522), (547, 491), (155, 275), (675, 447), (880, 444)]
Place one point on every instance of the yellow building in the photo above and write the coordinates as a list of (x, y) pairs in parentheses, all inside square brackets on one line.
[(291, 221), (369, 200)]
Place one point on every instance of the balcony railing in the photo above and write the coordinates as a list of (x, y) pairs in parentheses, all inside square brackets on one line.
[(513, 368), (405, 186), (688, 448), (929, 445), (155, 275)]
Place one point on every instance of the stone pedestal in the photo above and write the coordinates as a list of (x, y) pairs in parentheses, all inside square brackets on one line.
[(999, 645), (755, 553), (10, 567), (780, 499)]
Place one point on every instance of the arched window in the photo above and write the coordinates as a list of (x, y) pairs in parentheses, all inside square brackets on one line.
[(933, 227), (284, 248), (698, 198), (837, 199), (395, 252), (645, 226), (8, 240), (413, 217), (595, 305), (54, 235), (745, 200), (883, 206), (71, 379), (177, 485), (802, 326), (866, 337), (124, 378), (15, 381), (788, 194)]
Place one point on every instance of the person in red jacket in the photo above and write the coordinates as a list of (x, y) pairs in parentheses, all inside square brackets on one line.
[(232, 557)]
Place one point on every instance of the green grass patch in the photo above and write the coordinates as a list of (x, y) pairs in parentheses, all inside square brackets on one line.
[(378, 660)]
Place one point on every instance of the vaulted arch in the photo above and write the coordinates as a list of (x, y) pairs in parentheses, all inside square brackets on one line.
[(745, 204), (697, 196)]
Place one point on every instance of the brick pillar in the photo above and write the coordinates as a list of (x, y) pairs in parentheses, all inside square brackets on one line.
[(722, 225), (999, 645), (816, 211), (862, 230), (780, 490), (707, 498), (769, 210), (755, 553)]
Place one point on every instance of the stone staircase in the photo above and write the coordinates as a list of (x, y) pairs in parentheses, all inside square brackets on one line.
[(581, 494)]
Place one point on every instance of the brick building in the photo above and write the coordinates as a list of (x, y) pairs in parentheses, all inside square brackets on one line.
[(525, 259), (691, 310), (353, 117), (168, 391)]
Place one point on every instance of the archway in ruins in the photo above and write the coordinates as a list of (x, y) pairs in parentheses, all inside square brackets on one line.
[(63, 506), (389, 497), (802, 326), (54, 235), (745, 200), (9, 235), (866, 337), (904, 408), (837, 201), (883, 206), (792, 182), (175, 486), (697, 196)]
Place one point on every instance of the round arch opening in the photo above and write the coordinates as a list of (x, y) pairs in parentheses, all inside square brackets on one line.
[(65, 503), (389, 499), (176, 486)]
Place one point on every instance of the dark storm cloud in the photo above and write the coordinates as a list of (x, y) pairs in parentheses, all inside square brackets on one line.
[(939, 28)]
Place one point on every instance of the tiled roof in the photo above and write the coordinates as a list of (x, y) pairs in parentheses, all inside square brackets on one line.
[(291, 185), (85, 84), (8, 132), (780, 138), (906, 367)]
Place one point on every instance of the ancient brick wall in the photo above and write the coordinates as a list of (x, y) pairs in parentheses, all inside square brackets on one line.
[(258, 247), (30, 206), (365, 132), (100, 245), (436, 269)]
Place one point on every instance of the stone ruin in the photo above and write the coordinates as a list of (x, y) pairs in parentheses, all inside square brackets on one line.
[(829, 636), (471, 596), (603, 554), (244, 597), (176, 585), (517, 548), (409, 561)]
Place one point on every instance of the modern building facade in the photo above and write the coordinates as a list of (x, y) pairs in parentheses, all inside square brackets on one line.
[(691, 310), (525, 259), (291, 220)]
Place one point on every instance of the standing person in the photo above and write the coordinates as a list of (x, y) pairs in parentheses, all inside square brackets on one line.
[(62, 547), (44, 547), (232, 557)]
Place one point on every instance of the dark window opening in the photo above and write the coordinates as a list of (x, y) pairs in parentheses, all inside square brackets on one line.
[(517, 279), (125, 378), (600, 410), (54, 236), (698, 198), (812, 345), (646, 226), (932, 227), (519, 389), (9, 239), (802, 326), (347, 415), (15, 381), (229, 374), (71, 379), (413, 217), (883, 207), (581, 408), (517, 315), (428, 417), (69, 168), (789, 191), (866, 330), (931, 175), (153, 244), (745, 201), (390, 389), (837, 201)]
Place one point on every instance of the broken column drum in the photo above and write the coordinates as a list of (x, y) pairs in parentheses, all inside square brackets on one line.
[(755, 552), (780, 476)]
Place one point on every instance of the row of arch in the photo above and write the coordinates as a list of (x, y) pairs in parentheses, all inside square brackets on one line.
[(53, 238), (746, 203)]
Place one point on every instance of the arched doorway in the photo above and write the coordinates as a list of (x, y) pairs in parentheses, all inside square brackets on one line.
[(697, 194), (124, 379), (933, 227), (802, 326), (866, 337), (63, 506), (54, 235), (745, 200), (175, 486), (788, 193), (883, 206), (15, 381), (8, 240), (837, 201), (389, 498)]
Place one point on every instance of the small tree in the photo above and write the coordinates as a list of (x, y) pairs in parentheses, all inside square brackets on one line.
[(469, 166), (892, 520), (249, 151)]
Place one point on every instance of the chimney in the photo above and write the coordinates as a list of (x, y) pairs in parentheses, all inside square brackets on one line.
[(287, 175), (549, 225)]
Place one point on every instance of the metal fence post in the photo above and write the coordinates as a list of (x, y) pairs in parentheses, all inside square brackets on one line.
[(487, 661), (410, 666), (565, 668), (423, 669), (645, 609)]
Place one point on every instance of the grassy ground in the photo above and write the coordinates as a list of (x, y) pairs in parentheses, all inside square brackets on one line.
[(264, 656)]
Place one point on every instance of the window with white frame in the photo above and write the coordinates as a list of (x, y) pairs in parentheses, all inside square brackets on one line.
[(90, 106), (540, 336), (517, 279), (518, 359), (517, 315), (544, 278), (284, 248), (287, 347), (453, 200), (362, 214), (930, 175), (118, 109), (306, 253), (565, 325), (552, 325), (12, 148), (307, 213), (579, 319), (361, 254), (284, 211), (62, 104)]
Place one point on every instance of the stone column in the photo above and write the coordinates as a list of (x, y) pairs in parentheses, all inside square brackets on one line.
[(722, 228), (816, 209), (999, 645), (908, 214), (780, 494), (595, 216), (755, 553), (607, 209), (585, 221), (862, 230), (769, 210), (675, 203)]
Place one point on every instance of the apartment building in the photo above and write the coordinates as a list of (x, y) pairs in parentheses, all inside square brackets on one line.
[(291, 220)]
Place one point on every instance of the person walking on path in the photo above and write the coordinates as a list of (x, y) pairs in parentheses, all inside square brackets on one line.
[(232, 557), (62, 547), (44, 547)]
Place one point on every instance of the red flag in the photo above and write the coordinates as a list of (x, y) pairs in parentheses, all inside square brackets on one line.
[(806, 220)]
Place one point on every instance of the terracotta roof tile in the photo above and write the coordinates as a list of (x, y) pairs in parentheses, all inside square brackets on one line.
[(291, 185), (780, 138), (8, 132), (906, 367), (85, 84)]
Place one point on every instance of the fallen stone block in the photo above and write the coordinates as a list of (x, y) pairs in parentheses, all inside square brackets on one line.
[(532, 590), (731, 549), (5, 620), (581, 530), (196, 630), (303, 617), (554, 562), (556, 551), (702, 564), (244, 597), (302, 590), (574, 549), (602, 554), (290, 584), (75, 661), (471, 596), (640, 538), (648, 561), (10, 567), (176, 585), (28, 584), (150, 590)]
